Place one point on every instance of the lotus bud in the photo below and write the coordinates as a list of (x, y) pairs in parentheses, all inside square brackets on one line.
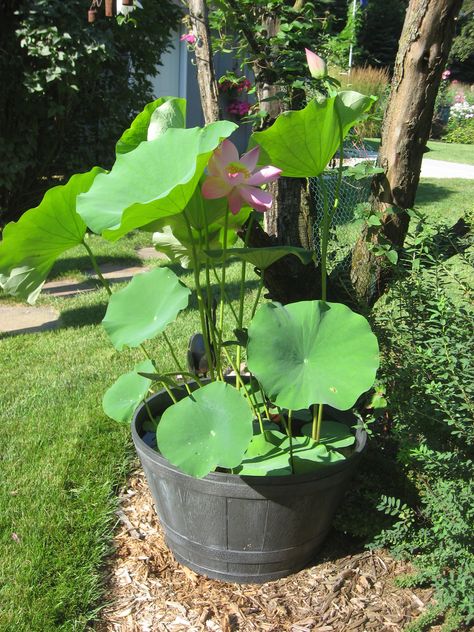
[(316, 64)]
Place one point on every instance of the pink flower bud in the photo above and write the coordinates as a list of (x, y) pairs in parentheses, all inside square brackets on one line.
[(316, 64)]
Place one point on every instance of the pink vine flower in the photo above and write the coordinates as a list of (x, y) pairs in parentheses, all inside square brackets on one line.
[(189, 38), (237, 179)]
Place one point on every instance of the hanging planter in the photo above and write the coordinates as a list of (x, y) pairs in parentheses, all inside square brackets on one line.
[(109, 6)]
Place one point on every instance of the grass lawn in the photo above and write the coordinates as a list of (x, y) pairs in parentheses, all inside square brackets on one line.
[(62, 460), (438, 150)]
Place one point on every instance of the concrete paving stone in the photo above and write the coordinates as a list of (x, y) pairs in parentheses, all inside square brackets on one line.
[(117, 273), (68, 287), (19, 319), (150, 253)]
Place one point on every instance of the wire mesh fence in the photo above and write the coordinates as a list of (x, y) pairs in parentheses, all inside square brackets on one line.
[(348, 218)]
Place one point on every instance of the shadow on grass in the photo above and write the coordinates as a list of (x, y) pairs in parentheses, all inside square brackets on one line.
[(84, 264), (83, 316), (429, 192)]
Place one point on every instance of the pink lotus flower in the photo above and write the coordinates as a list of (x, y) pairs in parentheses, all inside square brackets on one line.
[(316, 64), (237, 179), (190, 38)]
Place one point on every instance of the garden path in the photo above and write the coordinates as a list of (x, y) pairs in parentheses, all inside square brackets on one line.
[(21, 319)]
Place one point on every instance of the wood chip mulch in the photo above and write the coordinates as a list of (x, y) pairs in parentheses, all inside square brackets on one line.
[(147, 591)]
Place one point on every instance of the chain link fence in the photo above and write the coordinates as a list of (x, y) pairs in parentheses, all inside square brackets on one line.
[(348, 219)]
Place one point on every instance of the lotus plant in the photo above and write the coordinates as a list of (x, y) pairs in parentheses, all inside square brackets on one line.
[(193, 193)]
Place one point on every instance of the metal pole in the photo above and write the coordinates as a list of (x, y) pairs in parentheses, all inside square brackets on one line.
[(353, 34)]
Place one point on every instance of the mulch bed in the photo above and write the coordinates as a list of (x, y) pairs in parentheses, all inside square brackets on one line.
[(348, 591)]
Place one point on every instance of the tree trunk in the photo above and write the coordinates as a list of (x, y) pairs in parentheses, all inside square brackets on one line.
[(425, 43), (198, 16)]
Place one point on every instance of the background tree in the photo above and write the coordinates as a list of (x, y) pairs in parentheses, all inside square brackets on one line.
[(461, 59), (69, 88), (423, 51)]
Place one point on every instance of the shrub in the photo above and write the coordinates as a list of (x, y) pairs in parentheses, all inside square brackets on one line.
[(72, 88), (369, 80), (460, 128), (428, 372), (460, 132)]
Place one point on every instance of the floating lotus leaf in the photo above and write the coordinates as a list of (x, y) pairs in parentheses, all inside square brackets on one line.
[(269, 455)]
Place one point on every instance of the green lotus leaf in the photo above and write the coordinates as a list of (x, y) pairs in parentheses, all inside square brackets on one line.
[(333, 434), (312, 352), (31, 246), (123, 397), (269, 455), (144, 308), (262, 258), (172, 233), (212, 428), (156, 118), (155, 180), (302, 142)]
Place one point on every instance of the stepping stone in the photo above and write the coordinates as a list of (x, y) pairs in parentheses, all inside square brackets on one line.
[(150, 253), (117, 273), (27, 320), (67, 287)]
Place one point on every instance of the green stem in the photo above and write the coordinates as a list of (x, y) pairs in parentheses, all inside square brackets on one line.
[(327, 219), (242, 292), (201, 306), (212, 326), (257, 299), (222, 292), (317, 421), (228, 301), (324, 239), (290, 437), (246, 393), (170, 392), (95, 265), (176, 361)]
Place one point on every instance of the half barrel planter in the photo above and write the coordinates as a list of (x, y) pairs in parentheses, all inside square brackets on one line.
[(244, 529)]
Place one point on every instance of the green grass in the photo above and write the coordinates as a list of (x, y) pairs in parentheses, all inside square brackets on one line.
[(62, 460), (451, 152)]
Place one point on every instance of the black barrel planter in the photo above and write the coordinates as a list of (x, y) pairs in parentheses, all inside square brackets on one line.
[(245, 529)]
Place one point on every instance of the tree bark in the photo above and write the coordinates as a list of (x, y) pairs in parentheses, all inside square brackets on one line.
[(424, 46), (198, 16)]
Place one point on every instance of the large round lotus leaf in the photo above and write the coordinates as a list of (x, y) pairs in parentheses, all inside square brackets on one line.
[(126, 393), (312, 352), (144, 307), (210, 428)]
